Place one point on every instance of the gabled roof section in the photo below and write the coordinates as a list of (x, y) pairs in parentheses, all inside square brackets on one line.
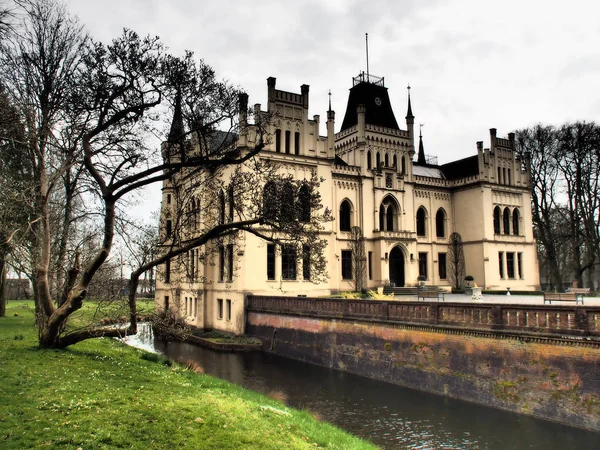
[(370, 91), (461, 168)]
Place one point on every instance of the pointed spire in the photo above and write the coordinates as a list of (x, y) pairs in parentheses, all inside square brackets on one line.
[(409, 113), (329, 99), (421, 157), (177, 132)]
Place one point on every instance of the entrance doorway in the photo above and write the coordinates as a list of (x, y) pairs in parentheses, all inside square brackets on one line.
[(397, 267)]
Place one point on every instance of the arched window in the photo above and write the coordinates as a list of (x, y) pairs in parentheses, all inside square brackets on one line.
[(395, 161), (421, 218), (221, 207), (497, 220), (270, 201), (193, 213), (440, 223), (388, 214), (345, 210), (515, 221), (304, 203), (369, 159), (403, 165), (378, 160), (506, 220), (288, 202), (387, 160)]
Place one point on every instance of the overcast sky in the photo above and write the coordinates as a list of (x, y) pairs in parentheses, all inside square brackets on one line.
[(471, 66)]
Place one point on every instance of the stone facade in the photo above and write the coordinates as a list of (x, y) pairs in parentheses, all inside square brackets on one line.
[(376, 176)]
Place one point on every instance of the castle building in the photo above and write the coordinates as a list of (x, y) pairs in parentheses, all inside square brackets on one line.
[(377, 177)]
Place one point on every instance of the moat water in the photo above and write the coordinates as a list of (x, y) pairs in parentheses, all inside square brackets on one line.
[(390, 416)]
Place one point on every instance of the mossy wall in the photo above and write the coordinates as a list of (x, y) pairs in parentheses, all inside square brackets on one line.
[(534, 376)]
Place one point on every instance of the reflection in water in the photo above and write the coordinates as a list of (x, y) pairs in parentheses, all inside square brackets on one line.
[(388, 415)]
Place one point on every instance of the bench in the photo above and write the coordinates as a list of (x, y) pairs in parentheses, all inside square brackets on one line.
[(582, 291), (563, 297), (436, 293)]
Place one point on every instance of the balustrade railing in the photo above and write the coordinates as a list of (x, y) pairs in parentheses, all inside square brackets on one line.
[(537, 319)]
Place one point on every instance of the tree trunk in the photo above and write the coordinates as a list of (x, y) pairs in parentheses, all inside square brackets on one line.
[(2, 287)]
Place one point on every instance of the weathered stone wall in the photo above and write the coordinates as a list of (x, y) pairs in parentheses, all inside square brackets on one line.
[(540, 376)]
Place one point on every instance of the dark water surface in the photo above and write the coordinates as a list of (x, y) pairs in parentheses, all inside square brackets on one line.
[(388, 415)]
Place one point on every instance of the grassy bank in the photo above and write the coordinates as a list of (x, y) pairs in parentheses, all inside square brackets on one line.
[(102, 394)]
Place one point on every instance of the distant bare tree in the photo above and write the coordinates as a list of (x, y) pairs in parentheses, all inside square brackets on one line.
[(456, 261), (359, 258)]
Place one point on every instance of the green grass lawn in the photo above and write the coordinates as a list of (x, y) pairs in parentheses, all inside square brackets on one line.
[(103, 394)]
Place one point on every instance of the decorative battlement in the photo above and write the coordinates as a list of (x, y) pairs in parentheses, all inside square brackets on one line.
[(364, 77)]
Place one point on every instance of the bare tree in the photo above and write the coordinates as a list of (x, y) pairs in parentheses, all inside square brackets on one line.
[(456, 261), (565, 168), (359, 258)]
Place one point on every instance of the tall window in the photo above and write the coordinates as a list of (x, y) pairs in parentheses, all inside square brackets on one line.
[(270, 261), (378, 160), (270, 200), (421, 216), (423, 264), (403, 165), (497, 220), (369, 163), (442, 266), (287, 141), (169, 228), (382, 217), (508, 177), (228, 309), (395, 163), (515, 221), (499, 175), (510, 264), (297, 143), (278, 141), (229, 262), (346, 264), (520, 265), (501, 264), (370, 265), (219, 308), (166, 302), (168, 271), (306, 262), (221, 263), (387, 160), (506, 220), (288, 262), (287, 202), (231, 200), (304, 203), (345, 216), (390, 214), (221, 207), (440, 222)]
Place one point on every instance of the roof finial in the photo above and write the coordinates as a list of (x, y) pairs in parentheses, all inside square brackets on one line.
[(421, 157), (409, 113), (367, 47)]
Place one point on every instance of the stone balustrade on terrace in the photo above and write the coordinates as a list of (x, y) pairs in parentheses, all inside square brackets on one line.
[(557, 321)]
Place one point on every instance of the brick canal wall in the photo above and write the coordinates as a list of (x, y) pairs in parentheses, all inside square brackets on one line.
[(537, 370)]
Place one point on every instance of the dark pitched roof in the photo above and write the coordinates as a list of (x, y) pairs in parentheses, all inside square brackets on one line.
[(461, 168), (379, 112)]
